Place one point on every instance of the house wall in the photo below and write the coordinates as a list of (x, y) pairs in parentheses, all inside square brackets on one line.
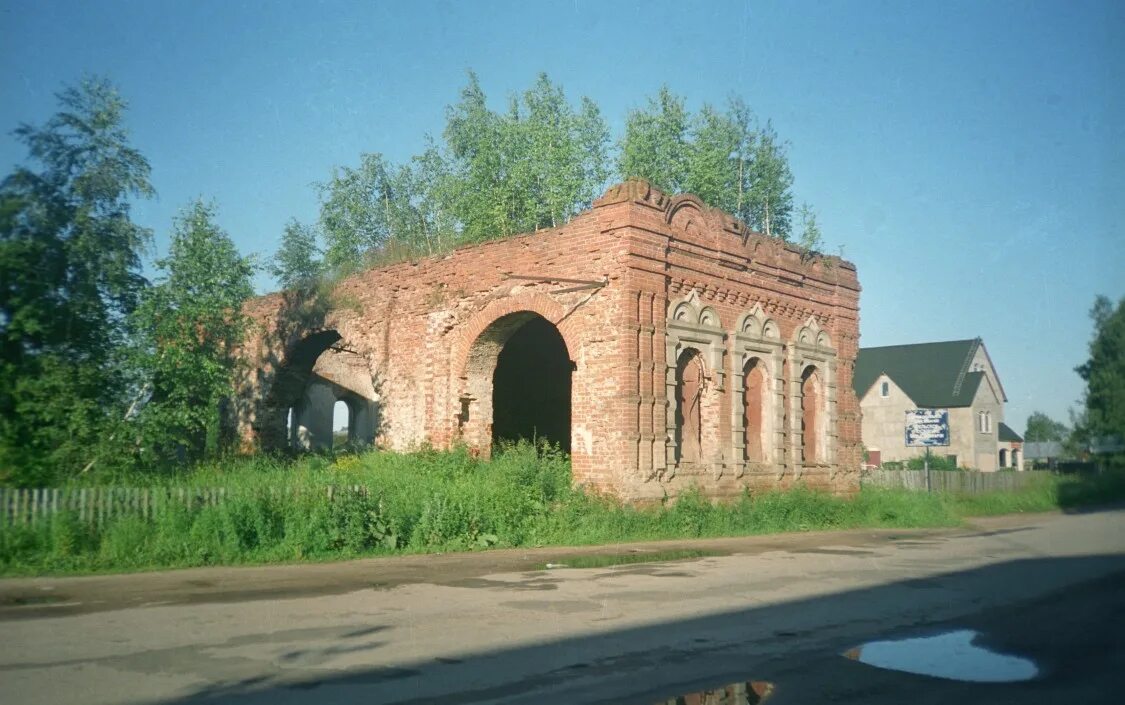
[(982, 363), (985, 445), (430, 333), (884, 420), (963, 436)]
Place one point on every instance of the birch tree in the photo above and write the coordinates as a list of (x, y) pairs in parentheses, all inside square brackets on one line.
[(70, 275), (191, 322), (655, 145), (770, 197)]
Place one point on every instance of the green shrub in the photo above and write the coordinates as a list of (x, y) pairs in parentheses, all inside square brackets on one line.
[(70, 539), (214, 537), (124, 543)]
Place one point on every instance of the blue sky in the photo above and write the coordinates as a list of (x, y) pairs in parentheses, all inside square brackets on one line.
[(969, 157)]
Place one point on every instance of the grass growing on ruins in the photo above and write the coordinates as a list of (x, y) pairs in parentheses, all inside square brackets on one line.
[(430, 501)]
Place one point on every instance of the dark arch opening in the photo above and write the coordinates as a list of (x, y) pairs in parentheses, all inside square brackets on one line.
[(531, 386)]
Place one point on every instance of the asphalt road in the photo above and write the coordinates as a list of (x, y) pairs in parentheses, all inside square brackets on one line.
[(490, 627)]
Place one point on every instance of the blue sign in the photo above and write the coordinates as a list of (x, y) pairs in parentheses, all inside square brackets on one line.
[(927, 427)]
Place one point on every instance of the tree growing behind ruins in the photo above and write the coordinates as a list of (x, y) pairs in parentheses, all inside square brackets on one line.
[(70, 276), (297, 264), (809, 239), (723, 157), (189, 324), (656, 142), (542, 160), (532, 166)]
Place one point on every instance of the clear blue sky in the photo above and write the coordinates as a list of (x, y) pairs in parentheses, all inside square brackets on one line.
[(969, 157)]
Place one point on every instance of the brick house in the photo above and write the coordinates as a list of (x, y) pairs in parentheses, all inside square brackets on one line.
[(657, 340), (1009, 448), (957, 375)]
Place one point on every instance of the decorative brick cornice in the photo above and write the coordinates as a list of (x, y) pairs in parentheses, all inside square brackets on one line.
[(634, 191)]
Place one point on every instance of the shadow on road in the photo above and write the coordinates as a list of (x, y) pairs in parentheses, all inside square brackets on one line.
[(1066, 614), (1091, 492)]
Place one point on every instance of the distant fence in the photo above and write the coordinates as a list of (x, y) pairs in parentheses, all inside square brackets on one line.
[(965, 481), (97, 504)]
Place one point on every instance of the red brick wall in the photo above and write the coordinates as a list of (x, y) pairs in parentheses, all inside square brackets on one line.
[(430, 331)]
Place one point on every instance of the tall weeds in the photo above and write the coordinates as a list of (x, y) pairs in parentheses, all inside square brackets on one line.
[(427, 501)]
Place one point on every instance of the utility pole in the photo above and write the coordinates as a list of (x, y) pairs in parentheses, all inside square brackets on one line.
[(926, 466)]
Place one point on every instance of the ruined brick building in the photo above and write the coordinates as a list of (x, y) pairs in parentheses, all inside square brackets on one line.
[(659, 341)]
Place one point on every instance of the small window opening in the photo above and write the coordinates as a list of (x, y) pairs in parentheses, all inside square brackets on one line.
[(341, 424)]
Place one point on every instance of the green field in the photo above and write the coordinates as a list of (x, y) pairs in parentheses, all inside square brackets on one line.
[(431, 501)]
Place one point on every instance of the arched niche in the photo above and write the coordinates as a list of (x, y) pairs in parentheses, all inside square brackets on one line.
[(692, 325), (758, 349), (811, 361), (690, 376), (813, 438)]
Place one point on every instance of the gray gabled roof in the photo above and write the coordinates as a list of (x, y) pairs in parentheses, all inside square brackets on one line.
[(1005, 433), (931, 374)]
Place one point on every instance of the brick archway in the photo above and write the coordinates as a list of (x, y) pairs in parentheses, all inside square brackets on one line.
[(484, 319), (528, 322), (287, 386), (531, 386), (313, 374)]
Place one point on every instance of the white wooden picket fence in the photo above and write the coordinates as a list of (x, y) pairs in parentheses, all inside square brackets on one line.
[(98, 504)]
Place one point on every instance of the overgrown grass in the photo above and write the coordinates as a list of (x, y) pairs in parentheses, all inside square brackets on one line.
[(427, 501)]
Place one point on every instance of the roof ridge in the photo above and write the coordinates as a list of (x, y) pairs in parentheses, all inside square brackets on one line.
[(965, 366), (914, 345)]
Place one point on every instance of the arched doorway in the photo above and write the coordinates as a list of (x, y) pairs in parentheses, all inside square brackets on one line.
[(303, 411), (753, 398), (689, 410), (341, 424), (810, 416), (531, 385)]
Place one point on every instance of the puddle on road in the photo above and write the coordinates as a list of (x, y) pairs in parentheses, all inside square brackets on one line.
[(606, 560), (22, 600), (951, 655), (744, 693)]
